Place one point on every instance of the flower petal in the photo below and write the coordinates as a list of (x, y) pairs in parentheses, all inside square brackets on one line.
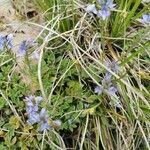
[(91, 9)]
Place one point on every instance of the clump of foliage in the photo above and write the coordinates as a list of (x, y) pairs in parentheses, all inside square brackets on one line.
[(83, 84)]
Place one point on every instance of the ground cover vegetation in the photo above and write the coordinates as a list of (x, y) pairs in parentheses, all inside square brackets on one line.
[(83, 83)]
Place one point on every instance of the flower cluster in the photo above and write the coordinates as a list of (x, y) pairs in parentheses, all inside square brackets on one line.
[(145, 20), (107, 85), (36, 115), (6, 41), (106, 7)]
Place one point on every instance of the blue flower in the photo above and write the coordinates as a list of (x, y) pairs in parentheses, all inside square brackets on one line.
[(38, 116), (112, 90), (6, 41), (44, 120), (106, 7), (44, 126), (107, 76), (91, 9), (104, 12), (113, 66), (30, 109), (108, 3), (35, 55), (23, 48), (145, 19), (98, 90), (57, 123), (2, 41), (9, 41), (32, 103), (33, 118), (38, 99), (43, 114), (25, 45), (29, 101), (107, 84)]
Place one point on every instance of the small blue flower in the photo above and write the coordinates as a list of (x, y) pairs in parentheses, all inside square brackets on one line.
[(35, 55), (98, 90), (107, 3), (38, 116), (106, 7), (29, 100), (38, 99), (145, 19), (107, 76), (32, 103), (33, 118), (57, 123), (44, 126), (112, 90), (44, 120), (30, 109), (43, 114), (25, 45), (91, 8), (113, 66), (104, 12), (23, 48), (106, 84), (2, 41), (9, 41)]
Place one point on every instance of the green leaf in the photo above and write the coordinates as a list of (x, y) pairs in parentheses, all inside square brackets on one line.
[(2, 147), (2, 102)]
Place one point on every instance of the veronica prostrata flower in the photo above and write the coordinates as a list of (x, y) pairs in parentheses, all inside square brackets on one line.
[(37, 115), (107, 3), (2, 41), (112, 90), (98, 89), (32, 103), (145, 20), (91, 8), (33, 117), (107, 88), (57, 123), (44, 120), (44, 126), (104, 12), (35, 55), (9, 41), (113, 66), (107, 85), (6, 41), (106, 7), (25, 45)]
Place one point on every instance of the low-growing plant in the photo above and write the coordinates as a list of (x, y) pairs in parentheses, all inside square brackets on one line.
[(83, 84)]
